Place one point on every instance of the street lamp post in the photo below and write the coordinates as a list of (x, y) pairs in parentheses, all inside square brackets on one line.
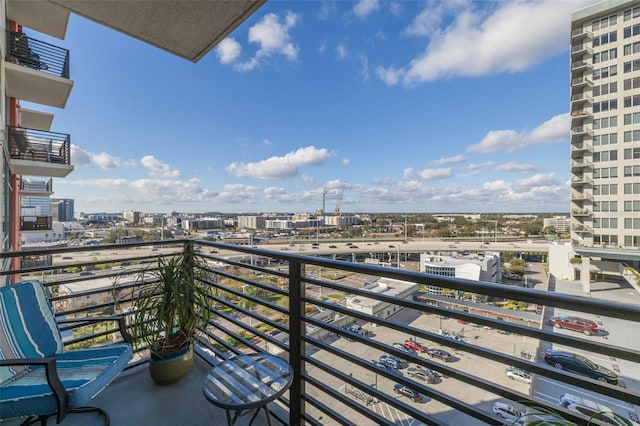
[(398, 254)]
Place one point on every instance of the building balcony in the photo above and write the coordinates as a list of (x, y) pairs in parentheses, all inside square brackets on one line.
[(39, 153), (580, 33), (578, 117), (38, 188), (581, 196), (581, 82), (578, 51), (582, 229), (37, 71), (35, 223), (581, 164), (580, 99), (581, 213), (579, 133), (580, 181), (578, 150), (299, 307)]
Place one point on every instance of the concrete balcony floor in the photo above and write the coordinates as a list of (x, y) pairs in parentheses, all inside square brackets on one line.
[(134, 399)]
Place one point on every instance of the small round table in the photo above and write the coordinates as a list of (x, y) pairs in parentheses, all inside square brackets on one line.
[(246, 382)]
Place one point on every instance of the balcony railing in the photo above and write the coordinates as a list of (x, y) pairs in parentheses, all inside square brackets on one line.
[(311, 301), (580, 33), (579, 164), (581, 213), (37, 55), (584, 180), (581, 196), (580, 98), (35, 223), (40, 146)]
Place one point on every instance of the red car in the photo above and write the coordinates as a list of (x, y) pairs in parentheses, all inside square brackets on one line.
[(582, 325), (414, 346)]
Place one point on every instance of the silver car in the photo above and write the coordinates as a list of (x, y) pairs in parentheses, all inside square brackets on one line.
[(518, 374)]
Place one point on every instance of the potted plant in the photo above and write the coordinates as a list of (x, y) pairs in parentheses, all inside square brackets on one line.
[(171, 303)]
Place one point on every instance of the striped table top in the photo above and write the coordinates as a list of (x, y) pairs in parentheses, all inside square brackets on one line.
[(247, 381)]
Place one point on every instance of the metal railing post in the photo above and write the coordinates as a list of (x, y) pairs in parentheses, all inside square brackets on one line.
[(296, 345)]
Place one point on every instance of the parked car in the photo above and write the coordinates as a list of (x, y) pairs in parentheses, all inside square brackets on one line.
[(590, 409), (422, 374), (387, 366), (402, 348), (333, 246), (583, 325), (412, 394), (580, 365), (85, 273), (518, 374), (391, 361), (508, 412), (439, 353), (415, 346)]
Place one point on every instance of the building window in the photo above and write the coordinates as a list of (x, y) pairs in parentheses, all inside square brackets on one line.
[(633, 118), (631, 153), (631, 136), (632, 188), (631, 171)]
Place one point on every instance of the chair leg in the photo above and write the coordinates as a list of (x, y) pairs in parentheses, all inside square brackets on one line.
[(31, 420), (93, 410)]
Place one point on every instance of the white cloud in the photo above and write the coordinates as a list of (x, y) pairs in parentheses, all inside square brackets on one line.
[(479, 166), (448, 160), (427, 22), (228, 50), (488, 41), (271, 34), (426, 174), (327, 9), (539, 180), (395, 8), (345, 161), (365, 7), (496, 185), (389, 75), (80, 157), (515, 167), (158, 168), (281, 167), (267, 142), (342, 51), (553, 130)]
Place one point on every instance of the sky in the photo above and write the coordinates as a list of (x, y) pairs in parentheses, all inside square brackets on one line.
[(376, 106)]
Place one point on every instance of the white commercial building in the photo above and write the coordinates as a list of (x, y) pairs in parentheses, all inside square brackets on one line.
[(476, 267), (562, 224)]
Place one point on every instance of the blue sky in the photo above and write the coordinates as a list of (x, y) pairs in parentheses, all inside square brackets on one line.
[(421, 106)]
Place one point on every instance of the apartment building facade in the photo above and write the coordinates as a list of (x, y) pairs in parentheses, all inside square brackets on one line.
[(605, 125)]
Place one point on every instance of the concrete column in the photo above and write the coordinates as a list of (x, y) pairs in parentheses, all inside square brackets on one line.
[(585, 274)]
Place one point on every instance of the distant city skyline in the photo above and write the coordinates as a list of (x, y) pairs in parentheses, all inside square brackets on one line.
[(409, 106)]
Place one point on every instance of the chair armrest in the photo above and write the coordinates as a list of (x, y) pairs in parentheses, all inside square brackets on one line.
[(51, 373), (122, 325)]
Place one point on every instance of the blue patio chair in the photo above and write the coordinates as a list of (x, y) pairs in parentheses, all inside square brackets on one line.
[(38, 378)]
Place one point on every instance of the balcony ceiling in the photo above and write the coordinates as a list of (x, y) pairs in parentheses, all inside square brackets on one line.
[(43, 16), (39, 168), (36, 86), (35, 119), (186, 28)]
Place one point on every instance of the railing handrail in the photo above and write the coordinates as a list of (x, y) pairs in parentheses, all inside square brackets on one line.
[(298, 319), (37, 54)]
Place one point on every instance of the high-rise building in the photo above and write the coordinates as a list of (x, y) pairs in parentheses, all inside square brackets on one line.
[(605, 127), (62, 209)]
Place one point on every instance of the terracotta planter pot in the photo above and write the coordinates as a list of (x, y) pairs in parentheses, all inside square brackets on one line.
[(167, 368)]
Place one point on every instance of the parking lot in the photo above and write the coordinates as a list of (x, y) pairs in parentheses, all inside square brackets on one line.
[(469, 363)]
